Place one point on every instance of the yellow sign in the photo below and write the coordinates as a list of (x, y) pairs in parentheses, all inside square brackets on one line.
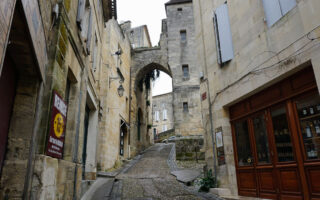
[(58, 125)]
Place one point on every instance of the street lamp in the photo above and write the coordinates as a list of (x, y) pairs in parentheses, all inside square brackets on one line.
[(120, 90)]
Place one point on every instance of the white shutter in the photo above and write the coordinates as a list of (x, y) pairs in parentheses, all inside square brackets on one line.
[(89, 36), (272, 11), (223, 34), (287, 5), (164, 114), (81, 11)]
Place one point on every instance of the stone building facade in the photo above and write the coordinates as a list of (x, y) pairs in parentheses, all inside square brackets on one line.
[(180, 32), (268, 55), (139, 36), (51, 55), (115, 73), (162, 113)]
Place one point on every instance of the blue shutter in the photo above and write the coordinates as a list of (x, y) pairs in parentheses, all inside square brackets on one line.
[(80, 14), (223, 34), (89, 36), (287, 5), (272, 11)]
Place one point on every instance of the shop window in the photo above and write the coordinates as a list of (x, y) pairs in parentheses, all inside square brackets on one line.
[(223, 34), (185, 107), (262, 144), (275, 9), (309, 116), (183, 36), (243, 143), (282, 135)]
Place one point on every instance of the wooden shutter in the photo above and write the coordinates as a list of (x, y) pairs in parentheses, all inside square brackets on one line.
[(223, 34), (272, 11)]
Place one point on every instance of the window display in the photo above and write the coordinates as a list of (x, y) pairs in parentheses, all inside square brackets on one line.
[(309, 116), (243, 143), (282, 135), (261, 136)]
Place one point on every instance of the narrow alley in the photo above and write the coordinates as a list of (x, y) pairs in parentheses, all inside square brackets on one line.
[(149, 178)]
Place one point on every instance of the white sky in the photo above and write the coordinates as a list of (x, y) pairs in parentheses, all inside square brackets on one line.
[(150, 13)]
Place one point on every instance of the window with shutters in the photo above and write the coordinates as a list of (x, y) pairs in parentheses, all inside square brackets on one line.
[(84, 22), (156, 115), (223, 34), (95, 54), (164, 113), (164, 128), (275, 9)]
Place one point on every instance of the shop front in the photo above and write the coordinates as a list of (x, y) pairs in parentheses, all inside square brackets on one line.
[(276, 138)]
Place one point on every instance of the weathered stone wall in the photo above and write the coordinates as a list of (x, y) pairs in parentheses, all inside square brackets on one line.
[(138, 36), (114, 108), (186, 89), (160, 103), (189, 148), (256, 47)]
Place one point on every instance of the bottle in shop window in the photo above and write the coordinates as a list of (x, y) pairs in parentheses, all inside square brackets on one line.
[(304, 112), (308, 131), (317, 126), (311, 110)]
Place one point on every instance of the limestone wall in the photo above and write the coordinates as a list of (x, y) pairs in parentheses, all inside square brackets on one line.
[(274, 52)]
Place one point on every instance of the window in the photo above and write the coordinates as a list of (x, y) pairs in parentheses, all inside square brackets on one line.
[(185, 70), (185, 107), (183, 36), (164, 114), (164, 128), (223, 34), (179, 9), (156, 115), (275, 9), (243, 143)]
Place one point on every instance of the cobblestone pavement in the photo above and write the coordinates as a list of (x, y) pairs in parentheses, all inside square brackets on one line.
[(150, 179)]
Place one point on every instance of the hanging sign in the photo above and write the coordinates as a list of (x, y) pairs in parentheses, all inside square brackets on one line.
[(220, 147), (57, 127)]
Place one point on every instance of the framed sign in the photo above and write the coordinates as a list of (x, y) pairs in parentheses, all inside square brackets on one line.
[(58, 121), (220, 147)]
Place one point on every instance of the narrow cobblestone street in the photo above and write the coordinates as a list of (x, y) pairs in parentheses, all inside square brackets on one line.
[(150, 178)]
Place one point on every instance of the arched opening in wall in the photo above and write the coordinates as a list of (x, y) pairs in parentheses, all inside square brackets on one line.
[(20, 89), (151, 83)]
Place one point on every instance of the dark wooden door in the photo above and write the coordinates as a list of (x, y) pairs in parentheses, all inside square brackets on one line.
[(7, 93)]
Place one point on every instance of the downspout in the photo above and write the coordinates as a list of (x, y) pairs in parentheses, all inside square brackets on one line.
[(75, 155), (33, 145), (130, 97), (210, 105)]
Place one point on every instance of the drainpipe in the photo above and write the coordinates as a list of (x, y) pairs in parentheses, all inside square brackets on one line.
[(130, 96), (33, 145), (75, 155), (210, 105), (212, 135)]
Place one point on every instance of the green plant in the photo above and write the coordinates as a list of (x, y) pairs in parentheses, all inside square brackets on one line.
[(149, 126), (207, 182), (148, 103)]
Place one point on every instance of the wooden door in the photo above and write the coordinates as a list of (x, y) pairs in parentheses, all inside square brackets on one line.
[(7, 93), (288, 184), (263, 156), (307, 113)]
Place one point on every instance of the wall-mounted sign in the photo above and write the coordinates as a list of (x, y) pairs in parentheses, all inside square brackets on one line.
[(204, 96), (219, 147), (57, 127)]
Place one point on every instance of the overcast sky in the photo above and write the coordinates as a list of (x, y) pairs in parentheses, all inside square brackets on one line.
[(150, 13)]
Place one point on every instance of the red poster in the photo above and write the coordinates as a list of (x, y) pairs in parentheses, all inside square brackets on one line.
[(57, 127)]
